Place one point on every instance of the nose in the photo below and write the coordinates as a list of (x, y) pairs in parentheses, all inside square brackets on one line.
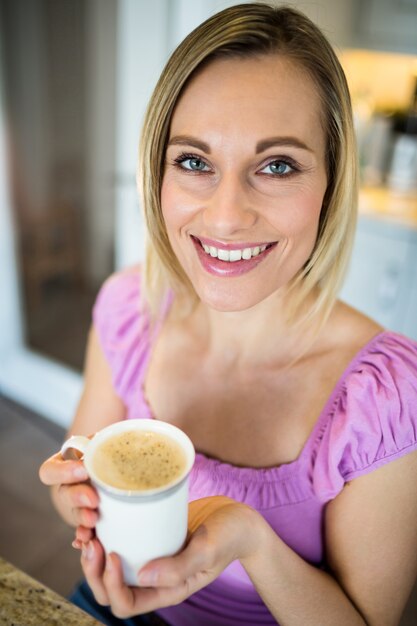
[(228, 210)]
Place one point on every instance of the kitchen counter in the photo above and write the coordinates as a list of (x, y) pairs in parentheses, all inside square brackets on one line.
[(26, 602), (388, 205)]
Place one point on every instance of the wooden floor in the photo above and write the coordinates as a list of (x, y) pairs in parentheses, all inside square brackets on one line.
[(32, 537)]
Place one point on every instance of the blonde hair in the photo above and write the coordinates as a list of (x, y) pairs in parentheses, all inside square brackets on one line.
[(245, 31)]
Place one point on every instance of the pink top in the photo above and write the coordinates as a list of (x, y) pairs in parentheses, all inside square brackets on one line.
[(369, 419)]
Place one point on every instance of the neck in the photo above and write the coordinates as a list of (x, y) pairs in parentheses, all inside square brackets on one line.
[(255, 336)]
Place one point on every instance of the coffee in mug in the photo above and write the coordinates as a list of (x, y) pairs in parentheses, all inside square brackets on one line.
[(140, 468), (139, 460)]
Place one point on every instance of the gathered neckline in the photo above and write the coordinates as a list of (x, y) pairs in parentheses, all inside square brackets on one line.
[(284, 470)]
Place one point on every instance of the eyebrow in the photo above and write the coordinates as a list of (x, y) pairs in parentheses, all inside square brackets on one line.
[(261, 146), (294, 142), (187, 140)]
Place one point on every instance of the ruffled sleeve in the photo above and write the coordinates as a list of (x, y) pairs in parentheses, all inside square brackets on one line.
[(123, 330), (373, 415)]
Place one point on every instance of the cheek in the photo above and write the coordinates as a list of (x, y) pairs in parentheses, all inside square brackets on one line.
[(171, 212), (302, 215), (177, 206), (176, 212), (309, 230)]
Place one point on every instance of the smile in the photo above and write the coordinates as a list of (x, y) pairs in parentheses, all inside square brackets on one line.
[(230, 256), (232, 260)]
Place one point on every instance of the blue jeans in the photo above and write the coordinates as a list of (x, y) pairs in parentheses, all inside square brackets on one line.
[(83, 597)]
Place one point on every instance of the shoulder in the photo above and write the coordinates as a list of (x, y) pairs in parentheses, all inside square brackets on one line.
[(380, 388), (119, 304), (118, 288), (351, 329), (122, 325), (372, 414), (378, 356), (386, 367)]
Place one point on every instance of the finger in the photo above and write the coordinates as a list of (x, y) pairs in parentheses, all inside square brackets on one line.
[(174, 571), (199, 510), (122, 598), (126, 601), (84, 534), (73, 499), (92, 562), (55, 471), (85, 517), (77, 544), (79, 495)]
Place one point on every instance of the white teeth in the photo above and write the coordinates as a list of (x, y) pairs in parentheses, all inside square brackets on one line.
[(223, 255), (233, 255)]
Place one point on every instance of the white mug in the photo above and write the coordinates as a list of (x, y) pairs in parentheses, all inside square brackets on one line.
[(139, 525)]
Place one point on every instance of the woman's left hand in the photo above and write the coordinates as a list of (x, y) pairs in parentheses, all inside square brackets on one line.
[(221, 530)]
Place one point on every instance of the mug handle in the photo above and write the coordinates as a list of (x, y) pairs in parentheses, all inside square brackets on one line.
[(76, 442)]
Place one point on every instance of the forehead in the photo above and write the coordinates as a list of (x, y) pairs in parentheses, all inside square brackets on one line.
[(267, 95)]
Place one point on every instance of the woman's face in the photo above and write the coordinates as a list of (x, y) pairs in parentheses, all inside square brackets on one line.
[(244, 178)]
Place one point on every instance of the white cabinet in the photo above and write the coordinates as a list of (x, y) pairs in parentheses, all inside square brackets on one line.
[(382, 281), (410, 320)]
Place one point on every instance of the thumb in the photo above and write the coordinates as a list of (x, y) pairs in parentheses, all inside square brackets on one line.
[(200, 510)]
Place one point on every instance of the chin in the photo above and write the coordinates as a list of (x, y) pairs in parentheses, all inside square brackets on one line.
[(228, 300), (230, 295)]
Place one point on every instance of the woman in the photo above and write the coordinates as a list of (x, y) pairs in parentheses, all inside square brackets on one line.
[(302, 409)]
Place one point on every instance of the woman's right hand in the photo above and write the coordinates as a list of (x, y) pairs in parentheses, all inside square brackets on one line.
[(74, 497)]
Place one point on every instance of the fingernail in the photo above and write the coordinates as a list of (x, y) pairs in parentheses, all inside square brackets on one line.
[(88, 550), (85, 500), (76, 544), (109, 564), (148, 577), (80, 472)]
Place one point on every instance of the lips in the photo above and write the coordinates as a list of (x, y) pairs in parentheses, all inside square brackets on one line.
[(230, 259)]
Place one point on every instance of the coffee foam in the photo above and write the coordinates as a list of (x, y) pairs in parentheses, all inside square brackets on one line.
[(139, 460)]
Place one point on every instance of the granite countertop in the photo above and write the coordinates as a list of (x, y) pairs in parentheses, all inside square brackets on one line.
[(26, 602), (388, 205)]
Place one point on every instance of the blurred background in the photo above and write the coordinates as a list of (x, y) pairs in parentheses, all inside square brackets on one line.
[(75, 78)]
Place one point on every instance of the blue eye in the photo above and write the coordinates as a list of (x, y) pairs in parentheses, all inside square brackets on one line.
[(196, 164), (278, 168), (192, 163)]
